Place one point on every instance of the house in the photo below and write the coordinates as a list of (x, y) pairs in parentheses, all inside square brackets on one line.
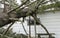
[(51, 20)]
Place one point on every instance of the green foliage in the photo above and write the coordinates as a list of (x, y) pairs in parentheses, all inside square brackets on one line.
[(11, 34), (42, 7), (56, 7)]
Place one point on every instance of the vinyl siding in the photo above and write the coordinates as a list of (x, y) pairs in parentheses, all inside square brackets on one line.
[(52, 22)]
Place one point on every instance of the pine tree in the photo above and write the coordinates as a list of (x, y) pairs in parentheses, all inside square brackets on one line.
[(29, 9)]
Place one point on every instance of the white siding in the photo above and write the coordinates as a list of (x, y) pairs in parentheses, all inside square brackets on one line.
[(52, 22)]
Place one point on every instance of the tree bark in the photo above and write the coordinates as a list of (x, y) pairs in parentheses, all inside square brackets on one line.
[(4, 17)]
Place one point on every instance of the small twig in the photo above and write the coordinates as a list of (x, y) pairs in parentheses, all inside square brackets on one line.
[(16, 19), (27, 5), (5, 32), (4, 36), (17, 7), (24, 28)]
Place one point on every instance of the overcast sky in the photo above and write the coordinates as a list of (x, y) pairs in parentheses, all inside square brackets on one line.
[(19, 1)]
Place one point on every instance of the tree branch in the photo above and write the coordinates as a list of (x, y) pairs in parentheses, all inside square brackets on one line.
[(5, 32), (24, 29), (17, 7), (27, 5), (35, 17)]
